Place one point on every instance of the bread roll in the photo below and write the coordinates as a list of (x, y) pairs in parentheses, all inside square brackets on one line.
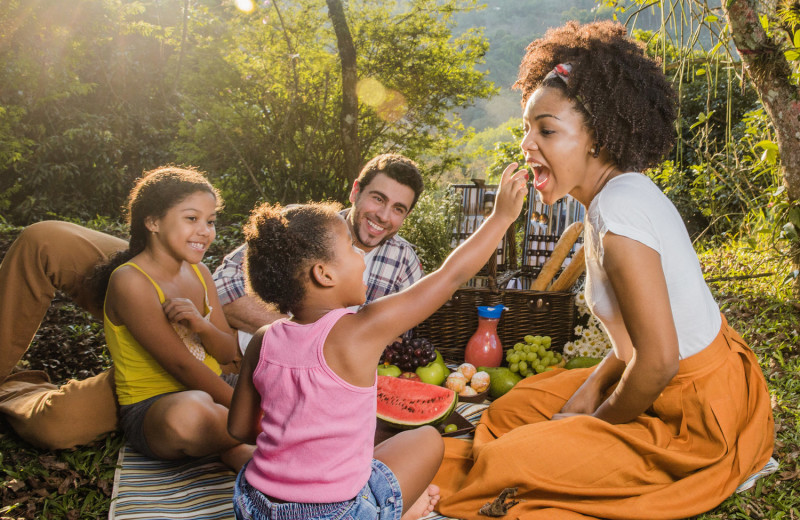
[(560, 252), (570, 274)]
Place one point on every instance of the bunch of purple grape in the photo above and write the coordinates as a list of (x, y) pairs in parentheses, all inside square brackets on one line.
[(410, 353)]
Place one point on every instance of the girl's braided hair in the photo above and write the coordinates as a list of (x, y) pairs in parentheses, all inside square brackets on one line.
[(282, 245), (154, 193), (621, 92)]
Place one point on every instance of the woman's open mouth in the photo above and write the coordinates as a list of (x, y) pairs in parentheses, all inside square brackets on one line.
[(541, 175)]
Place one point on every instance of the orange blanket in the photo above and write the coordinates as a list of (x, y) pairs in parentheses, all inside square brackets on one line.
[(711, 427)]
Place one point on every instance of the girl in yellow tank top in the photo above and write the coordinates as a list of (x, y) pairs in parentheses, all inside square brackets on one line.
[(164, 329)]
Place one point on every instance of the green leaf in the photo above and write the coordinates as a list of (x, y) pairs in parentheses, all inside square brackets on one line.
[(769, 156), (796, 38), (792, 55), (701, 118), (700, 72), (711, 18), (716, 48)]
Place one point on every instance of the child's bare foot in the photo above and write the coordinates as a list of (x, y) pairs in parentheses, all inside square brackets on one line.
[(424, 504)]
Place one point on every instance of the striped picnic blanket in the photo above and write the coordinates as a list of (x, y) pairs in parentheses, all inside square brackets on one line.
[(202, 489), (150, 489)]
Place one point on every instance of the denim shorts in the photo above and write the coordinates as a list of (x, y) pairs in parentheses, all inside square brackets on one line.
[(381, 498), (131, 419)]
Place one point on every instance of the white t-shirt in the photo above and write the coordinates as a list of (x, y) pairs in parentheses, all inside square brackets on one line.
[(631, 205)]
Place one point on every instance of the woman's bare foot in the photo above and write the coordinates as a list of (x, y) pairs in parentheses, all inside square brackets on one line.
[(424, 504)]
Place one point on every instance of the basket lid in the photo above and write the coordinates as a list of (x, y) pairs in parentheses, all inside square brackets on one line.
[(490, 312)]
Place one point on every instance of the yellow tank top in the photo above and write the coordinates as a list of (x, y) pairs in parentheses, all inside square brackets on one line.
[(137, 375)]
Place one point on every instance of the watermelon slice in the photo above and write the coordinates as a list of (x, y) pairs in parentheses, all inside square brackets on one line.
[(406, 404)]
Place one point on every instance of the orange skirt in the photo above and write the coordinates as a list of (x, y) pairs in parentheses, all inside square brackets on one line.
[(709, 430)]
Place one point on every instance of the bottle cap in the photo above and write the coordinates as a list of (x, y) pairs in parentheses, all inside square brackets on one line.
[(490, 312)]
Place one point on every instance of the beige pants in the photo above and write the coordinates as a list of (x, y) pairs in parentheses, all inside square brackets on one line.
[(46, 257)]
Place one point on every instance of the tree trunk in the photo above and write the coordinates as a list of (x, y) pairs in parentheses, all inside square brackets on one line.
[(349, 117), (770, 73)]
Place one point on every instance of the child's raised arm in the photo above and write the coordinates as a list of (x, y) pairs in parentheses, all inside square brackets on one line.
[(358, 340)]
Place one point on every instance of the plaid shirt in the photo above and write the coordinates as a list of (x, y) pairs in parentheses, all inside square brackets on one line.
[(394, 266)]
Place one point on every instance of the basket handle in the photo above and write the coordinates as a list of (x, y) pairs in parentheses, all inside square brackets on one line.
[(511, 247)]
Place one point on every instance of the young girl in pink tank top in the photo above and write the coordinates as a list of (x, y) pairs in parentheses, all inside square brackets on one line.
[(165, 330), (306, 394)]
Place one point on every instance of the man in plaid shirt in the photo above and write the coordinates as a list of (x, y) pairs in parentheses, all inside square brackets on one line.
[(382, 196)]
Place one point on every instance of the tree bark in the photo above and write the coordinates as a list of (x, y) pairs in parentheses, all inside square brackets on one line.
[(349, 116), (769, 70)]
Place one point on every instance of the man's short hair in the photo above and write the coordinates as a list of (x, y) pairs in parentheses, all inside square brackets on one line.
[(401, 169)]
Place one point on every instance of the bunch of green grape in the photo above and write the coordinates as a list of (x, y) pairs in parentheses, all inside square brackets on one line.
[(533, 355)]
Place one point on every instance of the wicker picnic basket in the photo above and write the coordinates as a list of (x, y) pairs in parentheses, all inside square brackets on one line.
[(542, 313), (529, 312)]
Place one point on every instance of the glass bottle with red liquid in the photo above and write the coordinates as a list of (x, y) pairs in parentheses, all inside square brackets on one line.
[(484, 348)]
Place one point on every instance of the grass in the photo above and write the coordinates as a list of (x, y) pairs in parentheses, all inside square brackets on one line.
[(765, 313), (76, 484)]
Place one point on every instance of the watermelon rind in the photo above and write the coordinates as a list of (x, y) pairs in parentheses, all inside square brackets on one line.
[(407, 404)]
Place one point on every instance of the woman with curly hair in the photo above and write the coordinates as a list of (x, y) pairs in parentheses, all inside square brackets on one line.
[(678, 414)]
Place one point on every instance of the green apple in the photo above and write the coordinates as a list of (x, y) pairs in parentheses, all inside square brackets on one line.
[(385, 369), (433, 373), (439, 359)]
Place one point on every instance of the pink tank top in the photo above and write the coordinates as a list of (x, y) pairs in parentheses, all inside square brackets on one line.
[(317, 434)]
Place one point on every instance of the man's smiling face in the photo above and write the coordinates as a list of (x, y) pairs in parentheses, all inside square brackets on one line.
[(378, 211)]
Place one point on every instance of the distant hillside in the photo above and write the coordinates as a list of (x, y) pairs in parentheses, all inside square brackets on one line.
[(510, 25)]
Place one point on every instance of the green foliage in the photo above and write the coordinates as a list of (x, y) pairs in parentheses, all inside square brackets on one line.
[(83, 107), (430, 226), (763, 310), (83, 478), (506, 153), (726, 190), (479, 148), (264, 94), (96, 91)]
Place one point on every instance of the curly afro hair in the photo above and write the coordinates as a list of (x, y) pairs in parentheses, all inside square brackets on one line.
[(622, 93), (282, 244)]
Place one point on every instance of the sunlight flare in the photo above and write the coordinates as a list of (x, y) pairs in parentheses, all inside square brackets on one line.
[(389, 104), (246, 6)]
